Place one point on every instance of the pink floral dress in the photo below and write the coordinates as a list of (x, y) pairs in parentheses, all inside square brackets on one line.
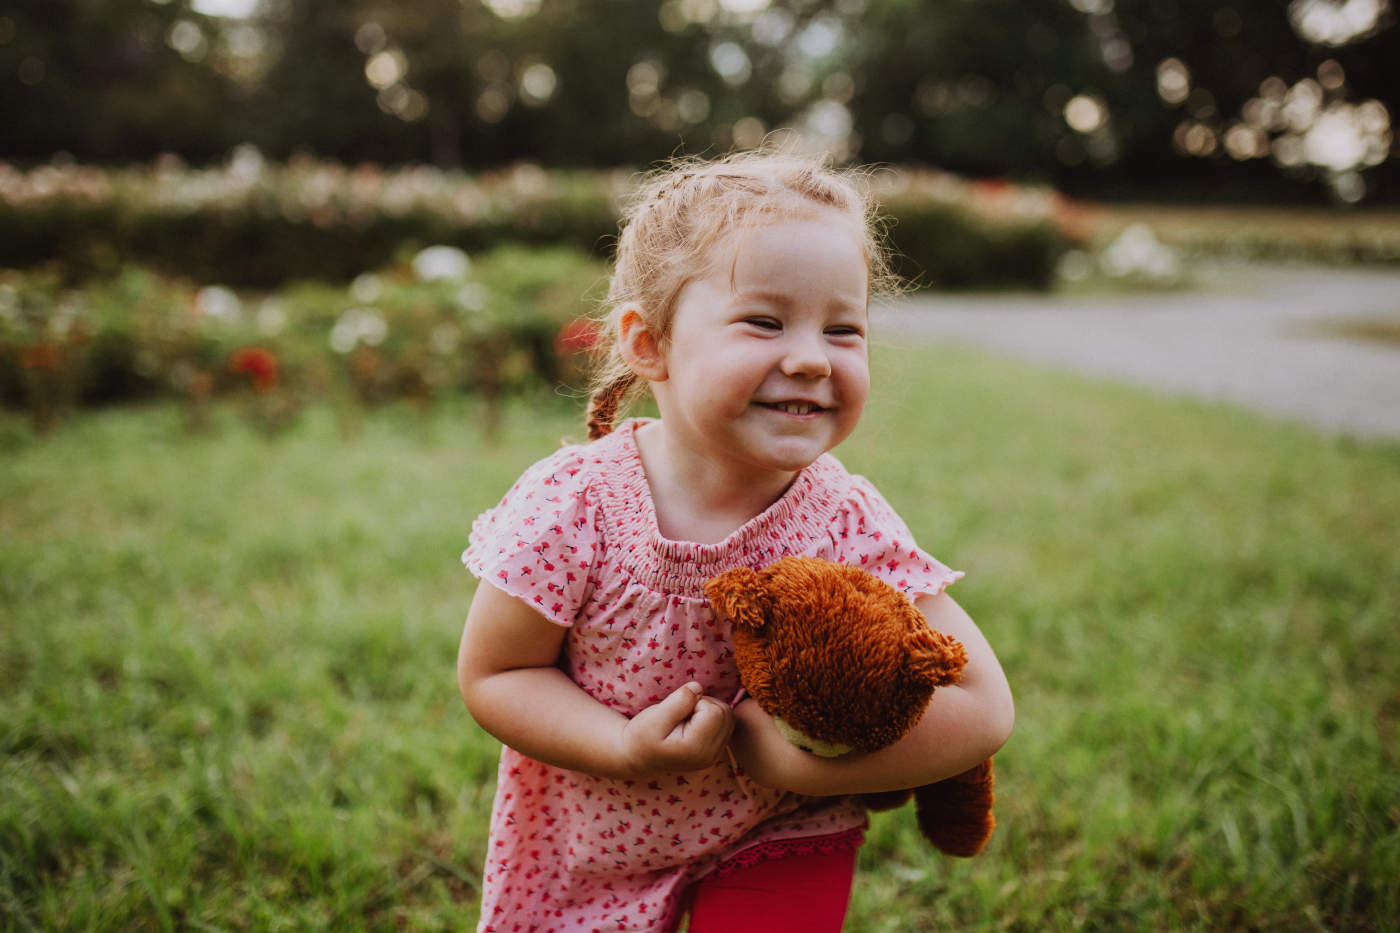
[(577, 539)]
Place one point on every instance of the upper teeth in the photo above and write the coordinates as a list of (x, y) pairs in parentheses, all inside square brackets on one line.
[(796, 408)]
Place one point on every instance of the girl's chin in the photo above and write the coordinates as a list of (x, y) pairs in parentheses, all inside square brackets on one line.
[(787, 454), (761, 444)]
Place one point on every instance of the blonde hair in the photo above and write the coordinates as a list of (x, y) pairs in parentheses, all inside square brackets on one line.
[(678, 217)]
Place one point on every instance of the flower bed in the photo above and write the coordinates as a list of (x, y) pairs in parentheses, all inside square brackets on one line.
[(513, 321)]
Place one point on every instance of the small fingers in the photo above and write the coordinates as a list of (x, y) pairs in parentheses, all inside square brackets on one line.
[(712, 714), (662, 737), (711, 725), (678, 706)]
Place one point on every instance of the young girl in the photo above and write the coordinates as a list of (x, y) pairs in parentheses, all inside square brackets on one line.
[(631, 787)]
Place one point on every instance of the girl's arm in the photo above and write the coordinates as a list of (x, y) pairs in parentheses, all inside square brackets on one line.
[(507, 671), (962, 726)]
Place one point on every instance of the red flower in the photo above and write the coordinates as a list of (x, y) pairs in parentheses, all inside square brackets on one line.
[(580, 336), (40, 356), (258, 364)]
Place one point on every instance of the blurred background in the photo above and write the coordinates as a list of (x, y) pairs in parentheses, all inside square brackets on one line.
[(243, 145), (1250, 100)]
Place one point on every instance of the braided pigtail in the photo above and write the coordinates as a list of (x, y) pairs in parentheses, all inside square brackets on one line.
[(605, 401)]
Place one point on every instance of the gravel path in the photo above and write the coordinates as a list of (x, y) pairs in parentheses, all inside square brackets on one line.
[(1250, 336)]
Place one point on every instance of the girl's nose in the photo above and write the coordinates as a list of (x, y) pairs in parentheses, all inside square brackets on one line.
[(806, 356)]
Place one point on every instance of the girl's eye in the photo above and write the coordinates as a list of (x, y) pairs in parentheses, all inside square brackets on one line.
[(844, 332), (765, 323)]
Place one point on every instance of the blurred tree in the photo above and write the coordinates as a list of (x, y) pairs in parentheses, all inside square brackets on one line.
[(1137, 97), (1106, 97), (979, 87), (566, 82), (111, 80), (315, 97), (1309, 87)]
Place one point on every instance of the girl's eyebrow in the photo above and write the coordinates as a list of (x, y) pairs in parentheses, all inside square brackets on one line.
[(784, 299), (770, 294), (765, 294)]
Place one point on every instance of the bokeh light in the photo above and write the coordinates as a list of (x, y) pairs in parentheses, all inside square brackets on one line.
[(744, 8), (1173, 81), (232, 9), (773, 27), (356, 326), (749, 132), (219, 302), (386, 68), (185, 37), (1136, 252), (513, 9), (693, 106), (1327, 22), (371, 38), (1086, 113), (441, 263), (537, 84), (731, 63)]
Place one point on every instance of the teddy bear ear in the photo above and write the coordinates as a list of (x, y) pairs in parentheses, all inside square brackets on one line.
[(740, 595)]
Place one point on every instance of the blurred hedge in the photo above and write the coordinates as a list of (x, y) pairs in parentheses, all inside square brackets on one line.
[(250, 224)]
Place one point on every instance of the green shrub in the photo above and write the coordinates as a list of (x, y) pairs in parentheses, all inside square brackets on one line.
[(142, 334), (253, 226), (949, 233), (947, 247)]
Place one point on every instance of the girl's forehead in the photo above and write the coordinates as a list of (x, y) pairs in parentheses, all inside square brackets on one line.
[(746, 249), (800, 265)]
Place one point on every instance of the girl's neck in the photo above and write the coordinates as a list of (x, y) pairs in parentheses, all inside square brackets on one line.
[(699, 498)]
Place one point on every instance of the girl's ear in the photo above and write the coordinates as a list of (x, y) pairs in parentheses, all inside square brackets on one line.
[(640, 348)]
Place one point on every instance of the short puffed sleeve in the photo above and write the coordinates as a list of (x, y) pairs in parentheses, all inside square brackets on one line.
[(869, 534), (539, 543)]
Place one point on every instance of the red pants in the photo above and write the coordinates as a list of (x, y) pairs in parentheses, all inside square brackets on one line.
[(794, 894)]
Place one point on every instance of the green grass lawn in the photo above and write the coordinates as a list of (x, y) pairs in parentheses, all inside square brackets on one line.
[(227, 695)]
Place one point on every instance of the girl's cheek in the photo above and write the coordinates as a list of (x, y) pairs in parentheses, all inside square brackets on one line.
[(857, 366)]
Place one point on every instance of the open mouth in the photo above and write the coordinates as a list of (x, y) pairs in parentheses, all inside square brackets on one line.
[(794, 408)]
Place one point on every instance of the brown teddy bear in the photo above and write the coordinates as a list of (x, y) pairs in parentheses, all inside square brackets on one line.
[(843, 661)]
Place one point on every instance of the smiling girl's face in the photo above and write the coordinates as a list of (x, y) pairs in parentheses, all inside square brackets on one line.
[(766, 366)]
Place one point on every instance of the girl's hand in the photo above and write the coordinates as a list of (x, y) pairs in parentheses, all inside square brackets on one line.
[(684, 732)]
